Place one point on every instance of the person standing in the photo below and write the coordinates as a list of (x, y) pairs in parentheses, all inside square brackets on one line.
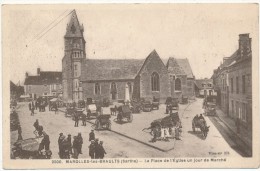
[(36, 105), (76, 120), (75, 147), (92, 135), (46, 141), (30, 106), (69, 144), (19, 133), (96, 144), (32, 110), (80, 141), (101, 150), (33, 106), (56, 108), (59, 143), (92, 149), (84, 118)]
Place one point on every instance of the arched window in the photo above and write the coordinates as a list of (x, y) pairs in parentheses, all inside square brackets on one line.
[(155, 81), (178, 84), (97, 88)]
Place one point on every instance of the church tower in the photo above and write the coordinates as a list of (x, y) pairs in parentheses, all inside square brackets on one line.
[(74, 56)]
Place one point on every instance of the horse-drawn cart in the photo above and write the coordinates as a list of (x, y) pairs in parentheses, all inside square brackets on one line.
[(70, 111), (124, 112), (171, 104), (200, 123), (29, 149), (166, 122), (103, 122), (210, 109)]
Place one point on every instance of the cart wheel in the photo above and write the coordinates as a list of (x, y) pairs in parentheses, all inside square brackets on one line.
[(97, 124)]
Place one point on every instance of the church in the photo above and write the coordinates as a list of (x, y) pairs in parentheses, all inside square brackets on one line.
[(120, 79)]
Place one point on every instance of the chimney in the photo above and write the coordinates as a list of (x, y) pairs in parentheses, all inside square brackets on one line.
[(26, 75), (38, 71), (244, 45)]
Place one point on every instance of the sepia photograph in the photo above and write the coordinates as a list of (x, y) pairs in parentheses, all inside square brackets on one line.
[(130, 86)]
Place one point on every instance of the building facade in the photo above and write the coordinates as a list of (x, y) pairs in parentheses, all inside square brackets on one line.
[(45, 83), (204, 87), (119, 79), (234, 81)]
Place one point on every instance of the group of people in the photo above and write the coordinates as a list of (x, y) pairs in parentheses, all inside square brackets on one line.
[(34, 105), (68, 149), (166, 133), (96, 149), (77, 118)]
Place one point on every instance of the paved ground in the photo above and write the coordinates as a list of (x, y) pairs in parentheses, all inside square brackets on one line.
[(117, 146)]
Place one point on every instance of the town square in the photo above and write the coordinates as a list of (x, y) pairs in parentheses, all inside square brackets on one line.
[(69, 102)]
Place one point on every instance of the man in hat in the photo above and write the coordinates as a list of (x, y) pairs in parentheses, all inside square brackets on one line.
[(76, 120), (75, 147), (91, 135), (69, 144), (84, 118), (80, 141), (101, 150), (96, 148), (59, 143), (92, 149)]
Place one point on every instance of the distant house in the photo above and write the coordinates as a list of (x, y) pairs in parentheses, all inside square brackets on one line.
[(204, 87), (45, 83)]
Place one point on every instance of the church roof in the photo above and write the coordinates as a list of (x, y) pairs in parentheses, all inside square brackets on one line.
[(174, 67), (74, 29), (110, 69), (185, 65), (45, 77)]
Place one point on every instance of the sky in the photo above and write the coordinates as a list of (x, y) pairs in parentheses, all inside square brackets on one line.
[(202, 33)]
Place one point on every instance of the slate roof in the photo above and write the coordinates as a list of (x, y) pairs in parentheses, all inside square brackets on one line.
[(185, 65), (45, 77), (110, 69), (174, 67), (199, 83)]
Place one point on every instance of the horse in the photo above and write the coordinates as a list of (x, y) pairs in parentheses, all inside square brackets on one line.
[(113, 110)]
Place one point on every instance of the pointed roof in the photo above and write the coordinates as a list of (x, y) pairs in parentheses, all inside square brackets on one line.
[(185, 65), (74, 29), (174, 67), (153, 54)]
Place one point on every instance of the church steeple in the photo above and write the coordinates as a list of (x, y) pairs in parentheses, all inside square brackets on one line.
[(74, 57), (74, 29)]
